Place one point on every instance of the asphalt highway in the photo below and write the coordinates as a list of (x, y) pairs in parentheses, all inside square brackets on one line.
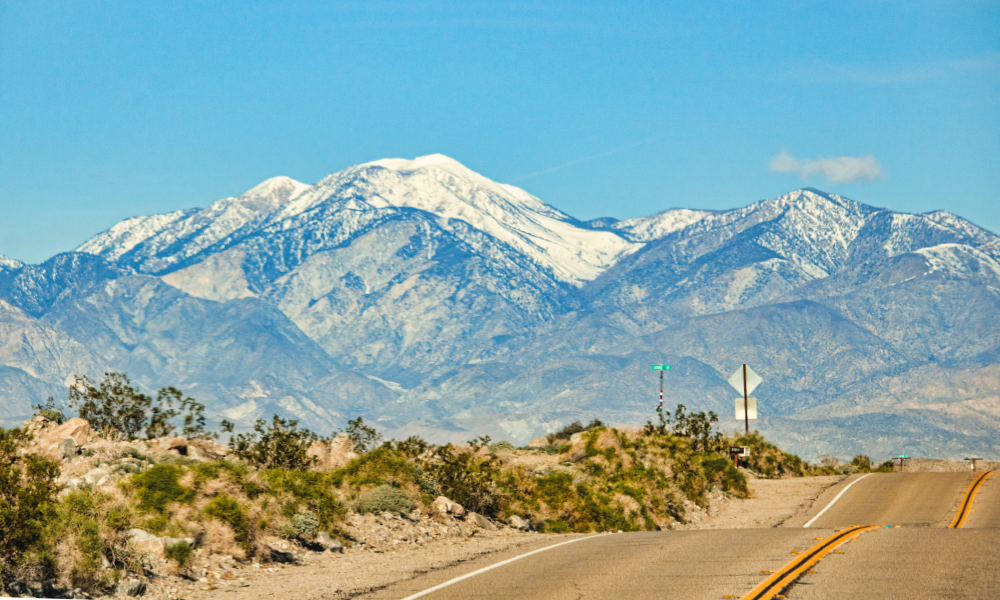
[(910, 553)]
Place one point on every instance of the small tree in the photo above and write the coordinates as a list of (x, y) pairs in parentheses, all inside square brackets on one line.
[(50, 410), (365, 438), (280, 445), (116, 407), (27, 490)]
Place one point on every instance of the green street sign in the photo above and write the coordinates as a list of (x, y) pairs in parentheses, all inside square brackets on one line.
[(661, 367), (903, 456)]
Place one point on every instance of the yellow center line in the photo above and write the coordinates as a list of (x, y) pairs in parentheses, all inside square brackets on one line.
[(773, 585), (966, 507)]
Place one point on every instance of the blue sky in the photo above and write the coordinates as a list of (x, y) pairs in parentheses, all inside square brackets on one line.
[(115, 109)]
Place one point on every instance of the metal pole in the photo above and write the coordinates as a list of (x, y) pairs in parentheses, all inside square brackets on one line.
[(746, 400), (661, 388)]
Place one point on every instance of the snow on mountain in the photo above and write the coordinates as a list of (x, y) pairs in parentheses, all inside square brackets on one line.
[(127, 234), (441, 186), (654, 227), (960, 260), (10, 263), (153, 244)]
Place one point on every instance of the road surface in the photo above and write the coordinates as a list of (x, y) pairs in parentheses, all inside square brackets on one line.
[(910, 553)]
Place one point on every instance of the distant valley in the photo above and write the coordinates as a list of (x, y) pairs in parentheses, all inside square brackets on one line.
[(433, 301)]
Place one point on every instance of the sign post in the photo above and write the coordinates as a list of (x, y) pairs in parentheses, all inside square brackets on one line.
[(661, 369), (745, 380), (901, 458), (973, 460)]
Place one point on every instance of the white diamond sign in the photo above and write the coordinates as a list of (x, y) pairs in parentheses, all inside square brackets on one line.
[(753, 380)]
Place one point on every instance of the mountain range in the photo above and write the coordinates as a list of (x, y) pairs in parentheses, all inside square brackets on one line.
[(431, 300)]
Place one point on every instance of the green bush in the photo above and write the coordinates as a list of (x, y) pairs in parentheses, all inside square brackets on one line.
[(158, 486), (228, 510), (502, 447), (471, 480), (363, 437), (50, 410), (384, 498), (28, 490), (181, 553), (314, 491), (305, 525), (279, 445)]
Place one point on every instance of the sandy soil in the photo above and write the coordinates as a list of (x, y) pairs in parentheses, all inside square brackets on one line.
[(355, 572)]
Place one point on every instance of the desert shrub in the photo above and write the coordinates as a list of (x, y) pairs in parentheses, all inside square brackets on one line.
[(554, 489), (575, 427), (363, 437), (554, 526), (734, 481), (411, 447), (502, 446), (467, 478), (117, 407), (27, 490), (382, 465), (770, 461), (158, 486), (314, 491), (305, 524), (278, 445), (696, 427), (50, 410), (228, 510), (180, 553), (384, 498)]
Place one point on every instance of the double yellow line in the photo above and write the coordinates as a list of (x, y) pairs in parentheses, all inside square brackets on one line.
[(966, 507), (773, 585)]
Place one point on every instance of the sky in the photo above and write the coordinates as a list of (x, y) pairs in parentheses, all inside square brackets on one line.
[(115, 109)]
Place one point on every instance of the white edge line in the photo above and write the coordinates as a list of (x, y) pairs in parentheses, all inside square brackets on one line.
[(834, 501), (499, 564)]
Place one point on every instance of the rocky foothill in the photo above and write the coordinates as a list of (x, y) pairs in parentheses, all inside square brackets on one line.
[(88, 459)]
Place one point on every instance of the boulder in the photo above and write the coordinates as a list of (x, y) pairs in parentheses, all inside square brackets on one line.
[(280, 556), (76, 428), (333, 455), (518, 523), (95, 476), (538, 442), (576, 437), (479, 520), (132, 587), (144, 541), (177, 444), (445, 506), (61, 449), (328, 543), (576, 454)]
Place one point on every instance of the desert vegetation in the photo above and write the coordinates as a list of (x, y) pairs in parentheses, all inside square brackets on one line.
[(140, 496)]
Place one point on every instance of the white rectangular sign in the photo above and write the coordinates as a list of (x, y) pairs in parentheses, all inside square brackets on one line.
[(751, 405)]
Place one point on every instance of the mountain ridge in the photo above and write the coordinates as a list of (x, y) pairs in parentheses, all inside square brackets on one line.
[(443, 302)]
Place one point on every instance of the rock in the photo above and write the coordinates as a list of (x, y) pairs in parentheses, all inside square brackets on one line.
[(447, 507), (174, 445), (538, 442), (576, 454), (576, 437), (132, 587), (280, 556), (94, 476), (334, 455), (144, 541), (195, 453), (62, 449), (518, 523), (18, 588), (169, 541), (328, 543), (76, 428), (480, 520)]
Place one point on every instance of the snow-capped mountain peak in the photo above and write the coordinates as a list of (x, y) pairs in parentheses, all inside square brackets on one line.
[(9, 263)]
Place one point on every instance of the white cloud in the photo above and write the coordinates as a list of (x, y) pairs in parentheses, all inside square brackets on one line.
[(841, 169)]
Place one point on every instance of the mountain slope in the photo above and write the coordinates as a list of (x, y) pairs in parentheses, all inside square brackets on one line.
[(432, 300)]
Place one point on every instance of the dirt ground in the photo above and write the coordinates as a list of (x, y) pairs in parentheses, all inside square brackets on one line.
[(355, 572)]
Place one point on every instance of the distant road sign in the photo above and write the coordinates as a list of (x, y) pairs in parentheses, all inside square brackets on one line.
[(751, 404), (661, 367), (753, 380)]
